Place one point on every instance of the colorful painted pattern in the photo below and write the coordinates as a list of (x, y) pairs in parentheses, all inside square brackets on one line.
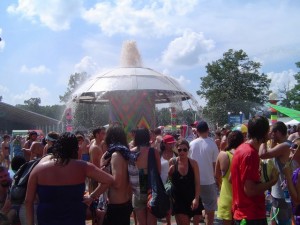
[(132, 109)]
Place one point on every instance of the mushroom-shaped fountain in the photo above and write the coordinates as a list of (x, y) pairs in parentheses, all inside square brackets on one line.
[(132, 91)]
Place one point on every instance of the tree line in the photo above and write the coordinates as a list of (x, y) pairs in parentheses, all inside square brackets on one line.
[(232, 84)]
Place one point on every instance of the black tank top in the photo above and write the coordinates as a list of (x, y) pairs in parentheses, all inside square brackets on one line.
[(183, 186)]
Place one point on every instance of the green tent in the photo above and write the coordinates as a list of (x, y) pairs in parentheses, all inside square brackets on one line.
[(292, 113)]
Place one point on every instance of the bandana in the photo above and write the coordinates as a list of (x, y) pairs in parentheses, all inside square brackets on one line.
[(124, 151)]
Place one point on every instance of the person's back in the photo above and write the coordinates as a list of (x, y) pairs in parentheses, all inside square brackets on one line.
[(59, 182), (205, 151)]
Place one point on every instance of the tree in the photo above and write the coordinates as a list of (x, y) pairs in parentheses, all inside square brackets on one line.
[(33, 104), (75, 81), (294, 93), (233, 84)]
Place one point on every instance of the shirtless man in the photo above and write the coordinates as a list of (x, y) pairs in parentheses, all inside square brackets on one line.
[(36, 149), (119, 205), (280, 151), (97, 148), (5, 150), (26, 149), (295, 135)]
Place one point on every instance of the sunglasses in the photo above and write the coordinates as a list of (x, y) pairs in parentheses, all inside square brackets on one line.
[(182, 149)]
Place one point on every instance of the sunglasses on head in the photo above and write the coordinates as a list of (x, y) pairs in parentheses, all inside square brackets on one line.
[(182, 149)]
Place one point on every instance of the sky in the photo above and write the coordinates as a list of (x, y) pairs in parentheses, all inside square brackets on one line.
[(44, 42)]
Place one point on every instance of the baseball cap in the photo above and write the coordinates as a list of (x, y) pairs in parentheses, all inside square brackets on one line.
[(195, 124), (169, 139), (202, 126)]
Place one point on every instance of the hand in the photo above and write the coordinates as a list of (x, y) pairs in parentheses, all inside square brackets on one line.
[(195, 203), (104, 162), (87, 200)]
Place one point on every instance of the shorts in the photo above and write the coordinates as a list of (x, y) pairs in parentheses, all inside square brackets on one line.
[(139, 202), (281, 211), (118, 214), (209, 196)]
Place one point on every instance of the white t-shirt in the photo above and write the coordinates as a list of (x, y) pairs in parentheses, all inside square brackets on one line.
[(205, 152)]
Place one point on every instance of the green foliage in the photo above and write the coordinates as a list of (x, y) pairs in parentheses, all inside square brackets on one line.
[(163, 116), (75, 81), (90, 116), (233, 84), (294, 93)]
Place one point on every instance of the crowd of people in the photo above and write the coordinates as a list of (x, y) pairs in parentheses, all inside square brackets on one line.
[(103, 177)]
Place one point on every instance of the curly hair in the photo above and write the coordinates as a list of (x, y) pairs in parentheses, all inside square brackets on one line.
[(66, 148)]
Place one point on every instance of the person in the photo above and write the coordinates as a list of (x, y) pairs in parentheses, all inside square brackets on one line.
[(7, 212), (166, 153), (5, 182), (296, 134), (37, 149), (138, 174), (293, 180), (119, 207), (16, 145), (225, 130), (222, 172), (13, 208), (248, 199), (61, 192), (5, 150), (26, 148), (51, 139), (205, 151), (96, 151), (84, 144), (218, 138), (184, 174), (280, 151)]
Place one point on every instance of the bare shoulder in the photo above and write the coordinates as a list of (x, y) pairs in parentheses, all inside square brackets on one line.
[(193, 162)]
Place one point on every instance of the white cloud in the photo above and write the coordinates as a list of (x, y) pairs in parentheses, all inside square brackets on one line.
[(284, 79), (3, 90), (88, 65), (34, 70), (55, 14), (130, 17), (33, 91), (2, 42), (187, 49)]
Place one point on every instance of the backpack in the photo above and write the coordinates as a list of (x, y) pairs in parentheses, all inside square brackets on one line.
[(19, 184), (158, 200)]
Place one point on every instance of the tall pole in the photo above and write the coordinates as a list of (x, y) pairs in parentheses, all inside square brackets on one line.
[(273, 99)]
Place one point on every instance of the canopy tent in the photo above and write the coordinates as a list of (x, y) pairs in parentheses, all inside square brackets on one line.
[(294, 114), (292, 122)]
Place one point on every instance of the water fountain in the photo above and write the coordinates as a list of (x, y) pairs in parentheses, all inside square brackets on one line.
[(132, 91)]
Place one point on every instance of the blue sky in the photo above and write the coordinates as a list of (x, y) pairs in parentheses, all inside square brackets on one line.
[(44, 42)]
